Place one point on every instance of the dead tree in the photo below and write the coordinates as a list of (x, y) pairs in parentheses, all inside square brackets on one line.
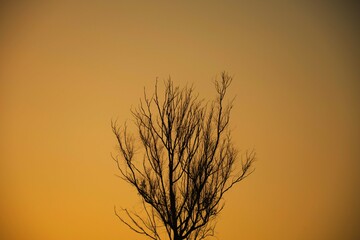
[(187, 165)]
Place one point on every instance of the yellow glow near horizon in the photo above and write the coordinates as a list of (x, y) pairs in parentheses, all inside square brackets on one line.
[(68, 68)]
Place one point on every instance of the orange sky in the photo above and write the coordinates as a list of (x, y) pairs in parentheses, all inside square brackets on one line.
[(68, 67)]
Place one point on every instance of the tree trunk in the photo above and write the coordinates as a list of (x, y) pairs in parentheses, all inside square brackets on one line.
[(176, 237)]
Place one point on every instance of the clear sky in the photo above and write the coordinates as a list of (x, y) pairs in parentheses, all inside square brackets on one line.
[(68, 67)]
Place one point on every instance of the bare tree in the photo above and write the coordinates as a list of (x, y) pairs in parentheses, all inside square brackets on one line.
[(188, 162)]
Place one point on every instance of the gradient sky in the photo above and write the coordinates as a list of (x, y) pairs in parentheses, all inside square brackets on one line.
[(68, 67)]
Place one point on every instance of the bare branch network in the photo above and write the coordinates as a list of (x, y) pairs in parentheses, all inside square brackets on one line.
[(188, 163)]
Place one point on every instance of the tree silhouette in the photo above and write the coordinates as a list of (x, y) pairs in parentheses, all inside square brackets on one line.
[(188, 162)]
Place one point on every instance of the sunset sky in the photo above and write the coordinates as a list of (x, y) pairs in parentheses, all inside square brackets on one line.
[(67, 68)]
